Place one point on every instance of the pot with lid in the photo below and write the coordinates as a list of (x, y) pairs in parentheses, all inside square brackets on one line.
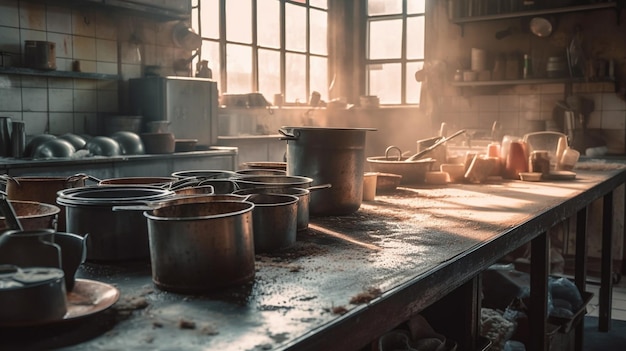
[(113, 235)]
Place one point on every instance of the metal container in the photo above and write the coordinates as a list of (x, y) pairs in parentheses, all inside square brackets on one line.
[(272, 181), (113, 235), (41, 189), (304, 197), (275, 221), (198, 247), (329, 155), (31, 296), (33, 215), (412, 172), (40, 54)]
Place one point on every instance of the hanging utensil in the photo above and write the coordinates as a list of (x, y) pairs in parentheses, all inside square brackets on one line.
[(420, 154)]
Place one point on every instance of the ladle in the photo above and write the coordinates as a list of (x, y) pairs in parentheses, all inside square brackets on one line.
[(418, 155)]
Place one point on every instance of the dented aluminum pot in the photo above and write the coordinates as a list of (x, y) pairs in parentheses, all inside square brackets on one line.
[(329, 155), (201, 247)]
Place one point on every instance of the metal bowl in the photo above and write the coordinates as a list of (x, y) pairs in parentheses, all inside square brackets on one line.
[(412, 172), (130, 143), (103, 146), (54, 148)]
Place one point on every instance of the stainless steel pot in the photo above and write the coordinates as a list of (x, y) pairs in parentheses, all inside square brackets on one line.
[(198, 247), (272, 181), (304, 196), (113, 235), (329, 155), (275, 221)]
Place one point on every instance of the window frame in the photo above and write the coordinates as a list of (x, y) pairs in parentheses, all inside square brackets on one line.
[(402, 60), (223, 42)]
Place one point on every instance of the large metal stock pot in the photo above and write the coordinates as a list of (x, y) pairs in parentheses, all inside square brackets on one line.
[(202, 246), (113, 235), (333, 156)]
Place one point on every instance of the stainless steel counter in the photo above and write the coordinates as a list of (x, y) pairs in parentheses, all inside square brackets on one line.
[(215, 157), (348, 279)]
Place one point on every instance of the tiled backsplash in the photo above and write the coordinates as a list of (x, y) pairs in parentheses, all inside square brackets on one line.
[(101, 43), (522, 109)]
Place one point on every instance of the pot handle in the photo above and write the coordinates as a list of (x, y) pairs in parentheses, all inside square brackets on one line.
[(319, 187), (4, 179), (287, 135), (78, 176), (393, 147), (83, 175)]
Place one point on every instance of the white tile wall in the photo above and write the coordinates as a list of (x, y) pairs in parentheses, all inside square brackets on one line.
[(62, 105), (525, 108)]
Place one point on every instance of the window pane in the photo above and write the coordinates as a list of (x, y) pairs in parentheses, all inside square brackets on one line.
[(269, 73), (384, 82), (384, 7), (239, 67), (319, 3), (295, 78), (319, 76), (413, 87), (210, 51), (385, 39), (318, 30), (209, 19), (239, 21), (415, 6), (295, 28), (415, 37), (268, 23)]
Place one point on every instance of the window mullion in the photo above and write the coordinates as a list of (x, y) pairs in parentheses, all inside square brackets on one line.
[(403, 59), (222, 41), (283, 61), (255, 48)]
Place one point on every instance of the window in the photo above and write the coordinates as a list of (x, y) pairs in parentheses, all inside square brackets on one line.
[(395, 50), (269, 46)]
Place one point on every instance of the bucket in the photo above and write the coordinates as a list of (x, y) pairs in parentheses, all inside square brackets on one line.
[(333, 156)]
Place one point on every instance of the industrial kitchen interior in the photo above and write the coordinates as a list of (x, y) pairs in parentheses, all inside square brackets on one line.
[(312, 175)]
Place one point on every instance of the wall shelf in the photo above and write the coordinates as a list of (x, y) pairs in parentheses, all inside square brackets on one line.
[(518, 82), (58, 74), (518, 14)]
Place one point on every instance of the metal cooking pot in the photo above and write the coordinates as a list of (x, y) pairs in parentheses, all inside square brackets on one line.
[(272, 181), (204, 174), (329, 155), (113, 235), (304, 196), (33, 215), (31, 296), (201, 247), (275, 221), (41, 189)]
